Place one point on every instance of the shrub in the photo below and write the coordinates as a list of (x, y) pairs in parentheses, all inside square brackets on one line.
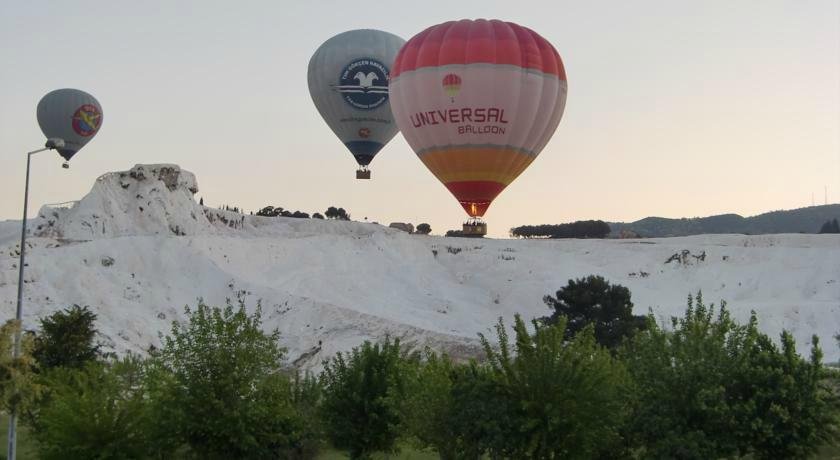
[(565, 398), (362, 393), (218, 387)]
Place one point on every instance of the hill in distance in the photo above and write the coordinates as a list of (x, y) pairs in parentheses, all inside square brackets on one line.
[(802, 220)]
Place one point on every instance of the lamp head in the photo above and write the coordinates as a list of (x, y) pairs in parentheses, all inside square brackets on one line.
[(54, 143)]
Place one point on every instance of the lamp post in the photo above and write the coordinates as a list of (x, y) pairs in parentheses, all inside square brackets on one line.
[(51, 144)]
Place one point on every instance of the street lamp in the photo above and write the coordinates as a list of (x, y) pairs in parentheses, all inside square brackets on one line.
[(69, 118), (51, 144)]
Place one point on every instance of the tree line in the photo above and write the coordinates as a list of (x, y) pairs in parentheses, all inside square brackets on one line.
[(577, 229), (589, 380)]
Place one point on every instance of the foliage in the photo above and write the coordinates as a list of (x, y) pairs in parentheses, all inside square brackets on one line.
[(217, 386), (95, 412), (454, 233), (428, 406), (577, 229), (362, 393), (593, 300), (712, 388), (336, 213), (19, 388), (271, 211), (565, 398), (67, 339), (318, 215), (830, 226), (423, 229)]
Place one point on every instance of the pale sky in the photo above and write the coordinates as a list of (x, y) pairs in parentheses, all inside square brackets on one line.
[(675, 108)]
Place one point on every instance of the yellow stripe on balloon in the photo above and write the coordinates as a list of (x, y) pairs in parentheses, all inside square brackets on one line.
[(501, 165)]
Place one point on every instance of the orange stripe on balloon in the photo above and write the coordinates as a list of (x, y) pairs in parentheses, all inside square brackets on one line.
[(459, 164)]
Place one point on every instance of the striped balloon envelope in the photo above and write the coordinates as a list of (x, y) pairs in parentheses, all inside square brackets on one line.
[(477, 101)]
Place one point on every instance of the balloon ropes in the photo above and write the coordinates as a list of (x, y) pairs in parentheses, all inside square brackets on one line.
[(348, 81), (477, 101), (71, 115)]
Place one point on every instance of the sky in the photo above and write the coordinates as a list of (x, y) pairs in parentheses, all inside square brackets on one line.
[(675, 109)]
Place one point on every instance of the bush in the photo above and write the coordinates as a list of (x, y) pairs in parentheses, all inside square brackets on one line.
[(565, 398), (362, 394), (217, 386), (97, 411), (67, 339), (593, 300), (712, 388), (19, 388)]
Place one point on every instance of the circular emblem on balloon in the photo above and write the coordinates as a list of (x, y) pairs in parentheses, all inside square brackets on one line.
[(86, 120), (364, 84)]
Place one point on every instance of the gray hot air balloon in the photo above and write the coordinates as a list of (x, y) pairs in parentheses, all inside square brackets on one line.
[(348, 81), (71, 115)]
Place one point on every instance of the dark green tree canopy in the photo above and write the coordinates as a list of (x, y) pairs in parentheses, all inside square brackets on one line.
[(423, 229), (593, 300), (67, 339)]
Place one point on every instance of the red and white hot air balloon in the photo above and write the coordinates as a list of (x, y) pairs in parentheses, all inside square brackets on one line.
[(477, 101)]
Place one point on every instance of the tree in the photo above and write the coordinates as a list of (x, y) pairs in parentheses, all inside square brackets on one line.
[(577, 229), (19, 388), (565, 398), (362, 393), (318, 215), (67, 339), (593, 300), (201, 201), (217, 386), (424, 229), (336, 213), (711, 388), (454, 233), (97, 411), (830, 226)]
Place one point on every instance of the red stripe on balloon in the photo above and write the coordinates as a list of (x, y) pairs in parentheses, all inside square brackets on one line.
[(475, 196), (480, 41)]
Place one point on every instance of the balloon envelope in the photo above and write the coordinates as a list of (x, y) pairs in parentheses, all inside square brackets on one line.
[(72, 115), (477, 101), (348, 81)]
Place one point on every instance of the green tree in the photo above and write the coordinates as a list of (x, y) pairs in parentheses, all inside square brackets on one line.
[(217, 386), (428, 404), (67, 339), (19, 387), (362, 393), (593, 300), (711, 388), (96, 412), (423, 229), (566, 396)]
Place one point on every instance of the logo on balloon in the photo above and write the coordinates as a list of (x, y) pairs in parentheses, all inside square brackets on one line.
[(364, 84), (451, 85), (86, 120), (364, 133)]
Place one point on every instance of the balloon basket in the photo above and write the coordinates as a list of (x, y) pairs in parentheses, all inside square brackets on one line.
[(475, 228), (363, 174)]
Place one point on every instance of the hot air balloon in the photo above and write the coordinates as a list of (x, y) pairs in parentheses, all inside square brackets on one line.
[(348, 81), (71, 115), (477, 101)]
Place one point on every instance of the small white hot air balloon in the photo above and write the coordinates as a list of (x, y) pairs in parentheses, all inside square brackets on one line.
[(348, 81), (71, 115)]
